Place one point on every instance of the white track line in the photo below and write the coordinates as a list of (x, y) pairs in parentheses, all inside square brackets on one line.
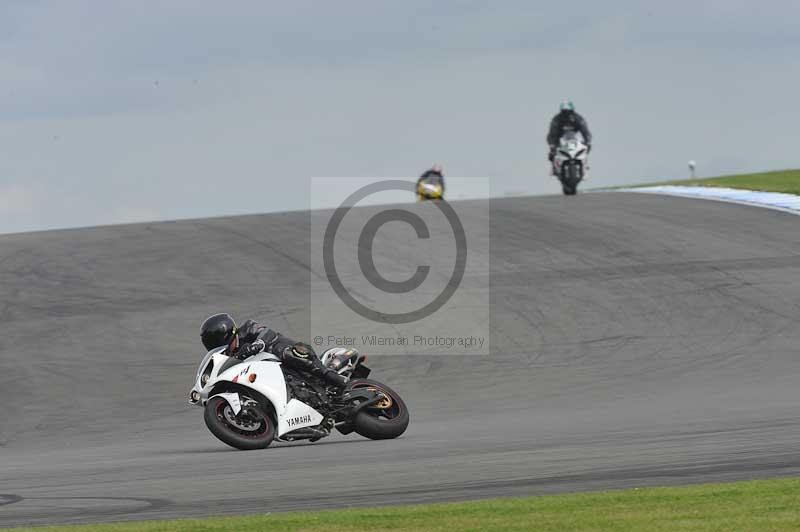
[(769, 200)]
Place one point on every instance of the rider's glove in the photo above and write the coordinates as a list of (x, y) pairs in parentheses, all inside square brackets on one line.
[(254, 348)]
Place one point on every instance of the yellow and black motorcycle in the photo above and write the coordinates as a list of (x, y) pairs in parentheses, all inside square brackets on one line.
[(430, 188)]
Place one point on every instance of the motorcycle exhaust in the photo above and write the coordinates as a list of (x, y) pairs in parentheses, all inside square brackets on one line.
[(307, 433)]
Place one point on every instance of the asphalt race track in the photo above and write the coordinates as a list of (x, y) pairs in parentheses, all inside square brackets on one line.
[(637, 340)]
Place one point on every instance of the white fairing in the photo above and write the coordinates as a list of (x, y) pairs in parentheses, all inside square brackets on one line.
[(268, 381), (298, 415), (233, 400), (570, 148)]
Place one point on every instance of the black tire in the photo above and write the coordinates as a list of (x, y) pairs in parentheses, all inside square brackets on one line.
[(246, 440), (574, 174), (381, 423), (571, 175)]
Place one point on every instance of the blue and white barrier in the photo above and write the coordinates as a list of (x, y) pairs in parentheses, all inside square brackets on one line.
[(770, 200)]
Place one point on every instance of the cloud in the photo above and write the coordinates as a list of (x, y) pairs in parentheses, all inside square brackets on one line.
[(17, 199), (119, 111)]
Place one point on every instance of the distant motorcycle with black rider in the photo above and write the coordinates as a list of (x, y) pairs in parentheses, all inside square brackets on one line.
[(570, 142), (570, 162)]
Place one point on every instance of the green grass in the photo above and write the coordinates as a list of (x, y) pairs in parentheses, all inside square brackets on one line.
[(756, 505), (787, 181)]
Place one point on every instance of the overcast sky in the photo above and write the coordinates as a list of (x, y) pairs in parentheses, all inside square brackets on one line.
[(130, 111)]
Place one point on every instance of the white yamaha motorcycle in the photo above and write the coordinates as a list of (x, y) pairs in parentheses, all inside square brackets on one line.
[(251, 403), (570, 162)]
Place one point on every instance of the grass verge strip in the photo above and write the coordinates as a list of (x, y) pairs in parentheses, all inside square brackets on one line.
[(754, 505)]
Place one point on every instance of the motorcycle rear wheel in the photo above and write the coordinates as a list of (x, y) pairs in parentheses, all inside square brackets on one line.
[(383, 421)]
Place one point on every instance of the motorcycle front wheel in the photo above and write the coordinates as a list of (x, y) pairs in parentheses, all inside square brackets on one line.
[(250, 429), (570, 177)]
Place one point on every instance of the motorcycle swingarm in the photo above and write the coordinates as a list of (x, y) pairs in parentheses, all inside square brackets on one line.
[(368, 397)]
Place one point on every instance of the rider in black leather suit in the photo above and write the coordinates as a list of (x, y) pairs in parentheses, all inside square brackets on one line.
[(253, 338), (567, 120)]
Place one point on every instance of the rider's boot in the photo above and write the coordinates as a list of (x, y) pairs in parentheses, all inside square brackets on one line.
[(334, 379)]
